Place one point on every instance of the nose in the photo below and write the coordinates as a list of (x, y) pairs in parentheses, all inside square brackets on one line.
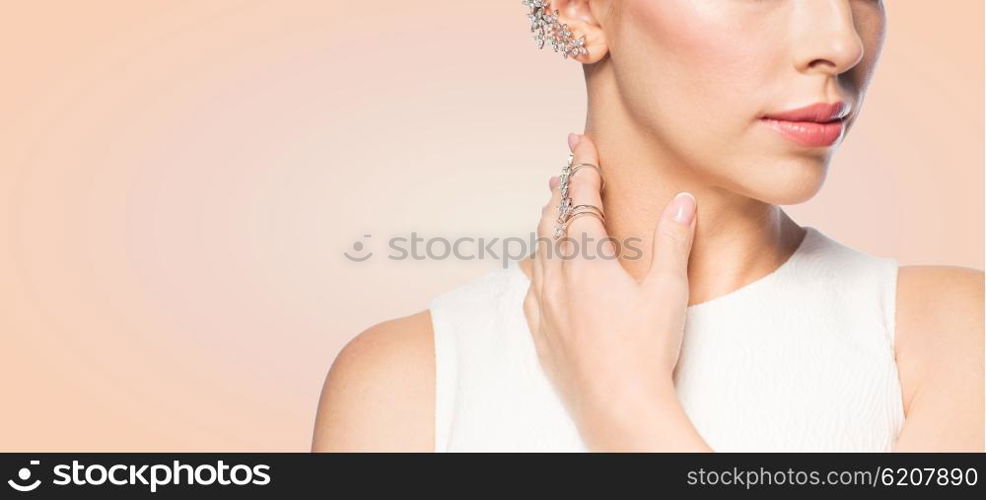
[(827, 41)]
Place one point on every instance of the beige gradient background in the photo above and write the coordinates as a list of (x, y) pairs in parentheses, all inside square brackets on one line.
[(179, 181)]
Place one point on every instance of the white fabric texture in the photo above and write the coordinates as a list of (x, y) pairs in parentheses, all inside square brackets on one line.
[(799, 360)]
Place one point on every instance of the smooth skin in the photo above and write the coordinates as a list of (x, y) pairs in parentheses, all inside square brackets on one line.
[(379, 394), (675, 92), (610, 342)]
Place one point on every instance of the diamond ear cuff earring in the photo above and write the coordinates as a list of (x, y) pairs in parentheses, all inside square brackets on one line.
[(547, 29)]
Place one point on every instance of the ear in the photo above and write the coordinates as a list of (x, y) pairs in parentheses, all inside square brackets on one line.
[(581, 18)]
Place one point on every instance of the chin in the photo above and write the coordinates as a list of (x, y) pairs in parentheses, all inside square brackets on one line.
[(788, 182), (799, 185)]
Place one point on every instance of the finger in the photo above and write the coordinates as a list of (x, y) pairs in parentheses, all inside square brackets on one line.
[(536, 273), (533, 315), (533, 301), (673, 243), (548, 263), (587, 233), (537, 269), (543, 244)]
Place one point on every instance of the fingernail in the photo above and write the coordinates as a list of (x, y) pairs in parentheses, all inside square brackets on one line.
[(683, 208), (573, 141), (552, 182)]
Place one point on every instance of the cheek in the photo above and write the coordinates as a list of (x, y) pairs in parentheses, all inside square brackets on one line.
[(705, 48), (704, 64)]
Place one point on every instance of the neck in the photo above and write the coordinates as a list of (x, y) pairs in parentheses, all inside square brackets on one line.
[(738, 239)]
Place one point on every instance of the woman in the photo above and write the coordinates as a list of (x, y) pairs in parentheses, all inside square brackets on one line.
[(732, 328)]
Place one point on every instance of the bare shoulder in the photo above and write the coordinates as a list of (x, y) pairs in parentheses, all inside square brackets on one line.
[(939, 347), (379, 393), (939, 303)]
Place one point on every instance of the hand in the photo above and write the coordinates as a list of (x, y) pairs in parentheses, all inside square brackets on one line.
[(607, 342)]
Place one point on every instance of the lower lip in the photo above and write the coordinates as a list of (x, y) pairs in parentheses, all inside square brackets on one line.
[(809, 134)]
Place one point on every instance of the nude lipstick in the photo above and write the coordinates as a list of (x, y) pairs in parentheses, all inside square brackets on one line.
[(818, 125)]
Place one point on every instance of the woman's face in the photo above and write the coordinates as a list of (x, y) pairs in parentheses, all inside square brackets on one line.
[(700, 76)]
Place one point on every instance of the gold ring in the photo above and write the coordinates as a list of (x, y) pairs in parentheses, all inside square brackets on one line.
[(589, 208), (576, 215), (589, 165)]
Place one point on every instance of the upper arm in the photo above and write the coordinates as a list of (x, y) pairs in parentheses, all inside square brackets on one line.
[(939, 345), (379, 392)]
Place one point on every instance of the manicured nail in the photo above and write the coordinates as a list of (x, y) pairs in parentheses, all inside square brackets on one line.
[(684, 208), (573, 141)]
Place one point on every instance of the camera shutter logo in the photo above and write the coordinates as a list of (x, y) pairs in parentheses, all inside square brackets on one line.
[(24, 475)]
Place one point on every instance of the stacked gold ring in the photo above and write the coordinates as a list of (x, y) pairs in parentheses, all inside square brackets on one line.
[(589, 165), (575, 215), (567, 211)]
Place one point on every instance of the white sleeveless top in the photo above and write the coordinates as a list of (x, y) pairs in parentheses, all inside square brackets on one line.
[(799, 360)]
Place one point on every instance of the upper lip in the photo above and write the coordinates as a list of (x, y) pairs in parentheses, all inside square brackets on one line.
[(822, 112)]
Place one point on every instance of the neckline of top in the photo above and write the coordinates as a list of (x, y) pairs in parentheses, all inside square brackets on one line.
[(808, 241), (811, 239)]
